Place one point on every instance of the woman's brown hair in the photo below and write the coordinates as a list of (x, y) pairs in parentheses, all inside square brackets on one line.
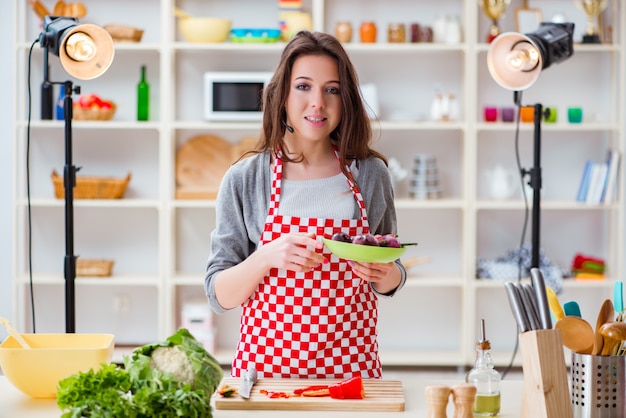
[(353, 135)]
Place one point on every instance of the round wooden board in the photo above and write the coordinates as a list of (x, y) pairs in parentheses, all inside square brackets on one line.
[(202, 161)]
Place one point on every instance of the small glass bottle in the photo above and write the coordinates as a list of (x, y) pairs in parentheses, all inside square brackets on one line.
[(143, 96), (485, 378)]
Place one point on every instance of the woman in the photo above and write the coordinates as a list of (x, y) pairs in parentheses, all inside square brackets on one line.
[(306, 313)]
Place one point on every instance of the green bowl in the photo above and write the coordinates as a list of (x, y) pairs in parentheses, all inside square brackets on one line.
[(363, 253)]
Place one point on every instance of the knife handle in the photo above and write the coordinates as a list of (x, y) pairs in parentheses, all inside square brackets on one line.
[(532, 318), (516, 307), (539, 287)]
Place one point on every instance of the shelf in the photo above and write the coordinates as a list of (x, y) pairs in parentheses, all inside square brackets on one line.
[(88, 125), (115, 280), (93, 203), (545, 205)]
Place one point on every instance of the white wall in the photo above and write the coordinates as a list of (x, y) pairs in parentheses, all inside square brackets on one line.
[(6, 160)]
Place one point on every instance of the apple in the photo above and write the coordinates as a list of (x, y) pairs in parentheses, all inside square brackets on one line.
[(93, 101)]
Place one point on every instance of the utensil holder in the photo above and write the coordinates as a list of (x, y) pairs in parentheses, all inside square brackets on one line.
[(545, 391), (598, 385)]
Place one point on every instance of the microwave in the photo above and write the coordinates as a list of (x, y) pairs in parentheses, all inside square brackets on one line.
[(234, 96)]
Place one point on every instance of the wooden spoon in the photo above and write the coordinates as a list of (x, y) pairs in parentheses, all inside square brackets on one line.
[(613, 333), (576, 333), (606, 315)]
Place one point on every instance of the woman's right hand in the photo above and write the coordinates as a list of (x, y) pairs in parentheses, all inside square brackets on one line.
[(295, 252)]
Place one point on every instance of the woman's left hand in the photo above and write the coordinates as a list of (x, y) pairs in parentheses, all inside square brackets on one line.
[(384, 277), (373, 272)]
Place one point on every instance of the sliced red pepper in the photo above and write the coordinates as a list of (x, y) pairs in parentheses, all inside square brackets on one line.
[(348, 389), (309, 388), (274, 395), (316, 393)]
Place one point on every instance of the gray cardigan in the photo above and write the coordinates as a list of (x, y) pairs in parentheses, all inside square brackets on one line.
[(242, 205)]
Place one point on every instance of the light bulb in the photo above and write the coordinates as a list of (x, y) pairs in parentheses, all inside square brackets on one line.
[(523, 57), (80, 47)]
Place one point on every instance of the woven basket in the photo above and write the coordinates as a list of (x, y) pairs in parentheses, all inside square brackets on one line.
[(92, 187), (93, 113), (94, 267), (124, 33)]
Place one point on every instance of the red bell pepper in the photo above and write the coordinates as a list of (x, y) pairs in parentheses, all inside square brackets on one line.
[(348, 389)]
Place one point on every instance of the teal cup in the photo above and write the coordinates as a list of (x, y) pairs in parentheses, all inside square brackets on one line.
[(574, 114)]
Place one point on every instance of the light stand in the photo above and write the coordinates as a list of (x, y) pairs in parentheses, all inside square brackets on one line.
[(86, 52), (69, 182), (515, 62)]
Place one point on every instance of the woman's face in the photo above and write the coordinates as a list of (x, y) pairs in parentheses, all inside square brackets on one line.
[(314, 105)]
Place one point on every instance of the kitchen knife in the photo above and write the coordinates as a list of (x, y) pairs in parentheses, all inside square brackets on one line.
[(247, 381), (530, 294), (539, 286), (532, 317), (516, 307)]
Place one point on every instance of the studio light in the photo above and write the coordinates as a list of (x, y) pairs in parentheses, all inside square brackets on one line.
[(515, 62), (85, 52)]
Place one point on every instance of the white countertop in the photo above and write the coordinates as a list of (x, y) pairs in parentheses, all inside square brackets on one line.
[(14, 403)]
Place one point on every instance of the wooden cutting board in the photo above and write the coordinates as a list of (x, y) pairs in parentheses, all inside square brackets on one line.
[(200, 165), (380, 395)]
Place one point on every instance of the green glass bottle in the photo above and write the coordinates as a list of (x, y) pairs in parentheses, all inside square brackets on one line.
[(143, 96)]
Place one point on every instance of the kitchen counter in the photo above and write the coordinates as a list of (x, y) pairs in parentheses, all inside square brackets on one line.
[(15, 404)]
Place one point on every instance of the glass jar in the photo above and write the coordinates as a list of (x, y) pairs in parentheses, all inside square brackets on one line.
[(396, 33), (368, 32), (343, 31)]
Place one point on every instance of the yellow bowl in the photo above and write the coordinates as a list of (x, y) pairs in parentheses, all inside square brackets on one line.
[(52, 357), (204, 29)]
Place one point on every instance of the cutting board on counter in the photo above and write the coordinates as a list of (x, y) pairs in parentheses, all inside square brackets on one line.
[(380, 395)]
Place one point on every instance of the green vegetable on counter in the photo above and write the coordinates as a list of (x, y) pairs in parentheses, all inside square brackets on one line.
[(173, 378)]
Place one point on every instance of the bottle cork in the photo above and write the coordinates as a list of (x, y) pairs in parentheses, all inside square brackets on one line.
[(464, 396), (437, 400)]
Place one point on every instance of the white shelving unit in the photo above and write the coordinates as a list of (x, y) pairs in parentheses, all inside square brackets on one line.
[(160, 244)]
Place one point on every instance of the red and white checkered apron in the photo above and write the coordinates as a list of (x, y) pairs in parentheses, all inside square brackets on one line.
[(317, 324)]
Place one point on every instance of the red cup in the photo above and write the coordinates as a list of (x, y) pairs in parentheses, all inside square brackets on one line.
[(491, 114)]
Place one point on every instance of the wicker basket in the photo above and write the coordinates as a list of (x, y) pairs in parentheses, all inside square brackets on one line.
[(92, 187), (124, 33), (93, 113), (94, 267)]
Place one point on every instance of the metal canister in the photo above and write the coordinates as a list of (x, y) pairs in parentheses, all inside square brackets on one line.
[(598, 386)]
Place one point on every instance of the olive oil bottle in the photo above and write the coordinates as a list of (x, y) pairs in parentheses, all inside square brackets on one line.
[(485, 378)]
